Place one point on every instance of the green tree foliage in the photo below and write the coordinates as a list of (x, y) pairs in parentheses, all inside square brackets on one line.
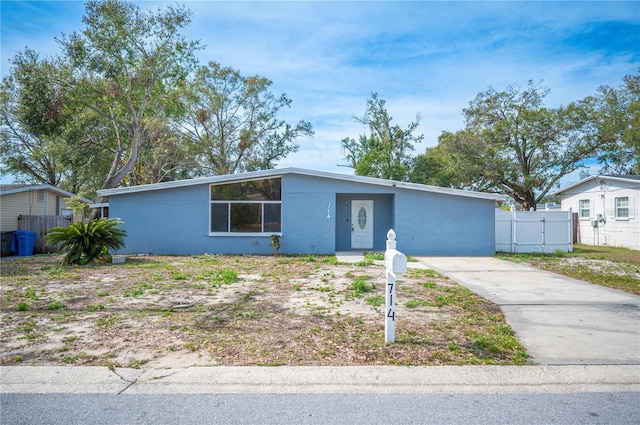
[(42, 140), (31, 120), (127, 67), (232, 122), (78, 206), (435, 167), (84, 242), (618, 123), (513, 144), (386, 151), (109, 110)]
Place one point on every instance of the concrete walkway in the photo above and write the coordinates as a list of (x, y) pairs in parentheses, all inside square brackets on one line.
[(560, 320)]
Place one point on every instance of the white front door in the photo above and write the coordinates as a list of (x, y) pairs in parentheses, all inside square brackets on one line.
[(361, 224)]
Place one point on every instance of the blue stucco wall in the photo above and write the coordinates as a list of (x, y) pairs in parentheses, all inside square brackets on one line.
[(315, 220), (315, 211), (445, 225)]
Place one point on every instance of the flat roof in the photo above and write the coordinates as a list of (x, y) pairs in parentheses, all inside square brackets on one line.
[(252, 175)]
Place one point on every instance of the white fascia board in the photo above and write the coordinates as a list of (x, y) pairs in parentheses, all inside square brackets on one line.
[(585, 180), (252, 175)]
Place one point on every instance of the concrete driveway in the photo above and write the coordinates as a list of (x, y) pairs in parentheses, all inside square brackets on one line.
[(559, 320)]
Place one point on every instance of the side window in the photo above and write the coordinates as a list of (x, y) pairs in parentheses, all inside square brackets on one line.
[(585, 208), (622, 207)]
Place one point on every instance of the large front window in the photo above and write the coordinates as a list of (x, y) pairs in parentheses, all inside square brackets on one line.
[(247, 207)]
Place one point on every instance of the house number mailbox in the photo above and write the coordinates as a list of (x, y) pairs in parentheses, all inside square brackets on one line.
[(395, 262)]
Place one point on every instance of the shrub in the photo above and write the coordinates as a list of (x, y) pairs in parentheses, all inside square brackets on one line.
[(85, 242), (275, 243)]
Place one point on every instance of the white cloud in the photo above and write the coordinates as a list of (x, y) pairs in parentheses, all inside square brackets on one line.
[(427, 57)]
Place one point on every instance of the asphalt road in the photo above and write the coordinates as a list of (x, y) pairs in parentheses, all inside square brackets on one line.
[(337, 409)]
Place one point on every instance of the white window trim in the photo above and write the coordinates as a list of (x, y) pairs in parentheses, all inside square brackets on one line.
[(628, 207), (580, 217)]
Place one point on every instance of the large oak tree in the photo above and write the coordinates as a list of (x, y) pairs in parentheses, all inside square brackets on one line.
[(232, 125), (127, 66), (513, 144)]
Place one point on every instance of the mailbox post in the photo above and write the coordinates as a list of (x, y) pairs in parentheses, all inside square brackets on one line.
[(395, 262)]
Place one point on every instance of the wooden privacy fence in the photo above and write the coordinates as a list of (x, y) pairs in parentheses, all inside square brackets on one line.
[(40, 225), (534, 231)]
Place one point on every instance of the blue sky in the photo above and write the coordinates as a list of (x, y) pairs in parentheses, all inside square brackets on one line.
[(424, 57)]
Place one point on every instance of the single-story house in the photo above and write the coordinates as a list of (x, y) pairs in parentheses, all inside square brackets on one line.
[(34, 208), (23, 200), (311, 212), (607, 209)]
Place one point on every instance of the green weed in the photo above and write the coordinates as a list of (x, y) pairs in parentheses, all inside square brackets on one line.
[(30, 293), (376, 300), (373, 256), (93, 308), (359, 286), (108, 321), (55, 305), (179, 275), (419, 273)]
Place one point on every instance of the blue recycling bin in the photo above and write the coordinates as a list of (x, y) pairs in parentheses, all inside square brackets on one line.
[(25, 242)]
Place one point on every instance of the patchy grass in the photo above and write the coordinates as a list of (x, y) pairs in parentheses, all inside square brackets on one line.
[(180, 311), (617, 268)]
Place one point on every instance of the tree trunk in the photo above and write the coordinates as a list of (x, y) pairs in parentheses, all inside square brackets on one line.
[(117, 175)]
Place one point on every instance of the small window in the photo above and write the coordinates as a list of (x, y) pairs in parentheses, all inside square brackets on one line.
[(622, 207), (585, 208), (41, 195)]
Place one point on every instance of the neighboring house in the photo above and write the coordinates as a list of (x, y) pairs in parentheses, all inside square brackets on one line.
[(312, 212), (43, 199), (607, 209)]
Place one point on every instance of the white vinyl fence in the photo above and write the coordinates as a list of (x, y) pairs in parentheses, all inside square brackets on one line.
[(534, 231)]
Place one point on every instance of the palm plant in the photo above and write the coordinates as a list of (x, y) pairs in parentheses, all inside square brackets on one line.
[(84, 242)]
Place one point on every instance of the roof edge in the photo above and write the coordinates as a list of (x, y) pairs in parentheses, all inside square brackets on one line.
[(587, 179), (301, 171), (44, 186)]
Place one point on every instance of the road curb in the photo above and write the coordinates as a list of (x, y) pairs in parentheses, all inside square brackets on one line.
[(312, 379)]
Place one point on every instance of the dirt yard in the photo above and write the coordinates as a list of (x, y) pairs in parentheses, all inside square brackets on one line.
[(179, 311)]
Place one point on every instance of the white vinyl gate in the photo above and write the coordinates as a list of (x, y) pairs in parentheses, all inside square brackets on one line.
[(533, 231)]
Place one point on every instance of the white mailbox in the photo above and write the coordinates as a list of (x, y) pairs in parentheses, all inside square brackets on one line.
[(395, 261)]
